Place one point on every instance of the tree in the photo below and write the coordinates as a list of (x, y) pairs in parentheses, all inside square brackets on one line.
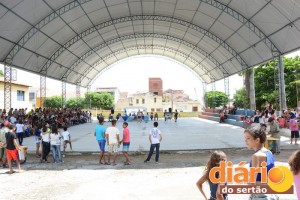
[(241, 99), (1, 73), (53, 102), (102, 100), (266, 82), (75, 102), (216, 98)]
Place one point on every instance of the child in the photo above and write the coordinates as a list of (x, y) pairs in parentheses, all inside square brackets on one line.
[(155, 138), (67, 139), (214, 161), (294, 163), (293, 125), (126, 142), (254, 140)]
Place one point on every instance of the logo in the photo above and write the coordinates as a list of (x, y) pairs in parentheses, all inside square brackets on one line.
[(278, 180)]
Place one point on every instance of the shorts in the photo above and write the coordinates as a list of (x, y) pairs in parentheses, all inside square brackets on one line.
[(113, 148), (2, 153), (126, 146), (294, 134), (37, 139), (12, 154), (102, 145)]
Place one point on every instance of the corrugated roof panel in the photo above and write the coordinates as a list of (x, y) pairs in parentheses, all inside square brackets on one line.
[(135, 8), (287, 39), (119, 10), (269, 20)]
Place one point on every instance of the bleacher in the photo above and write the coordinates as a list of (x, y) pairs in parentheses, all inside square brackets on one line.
[(213, 114)]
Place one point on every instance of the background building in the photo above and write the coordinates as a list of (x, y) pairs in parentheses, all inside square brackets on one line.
[(19, 95), (156, 86), (114, 91)]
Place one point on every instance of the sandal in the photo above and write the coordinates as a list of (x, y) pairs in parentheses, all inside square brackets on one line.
[(127, 163)]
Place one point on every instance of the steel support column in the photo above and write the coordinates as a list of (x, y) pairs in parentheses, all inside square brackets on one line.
[(63, 93), (7, 85), (213, 89), (88, 89), (252, 90), (204, 86), (226, 88), (43, 87), (78, 89), (282, 96)]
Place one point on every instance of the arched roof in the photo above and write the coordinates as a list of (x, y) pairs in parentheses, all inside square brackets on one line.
[(74, 41)]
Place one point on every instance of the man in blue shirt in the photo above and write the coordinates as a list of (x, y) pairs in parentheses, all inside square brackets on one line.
[(100, 137)]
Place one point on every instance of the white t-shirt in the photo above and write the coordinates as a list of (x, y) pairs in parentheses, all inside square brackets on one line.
[(45, 137), (112, 134), (13, 119), (55, 139), (155, 135), (65, 135), (19, 128)]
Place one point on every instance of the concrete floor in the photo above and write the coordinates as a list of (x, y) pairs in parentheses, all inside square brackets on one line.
[(186, 134)]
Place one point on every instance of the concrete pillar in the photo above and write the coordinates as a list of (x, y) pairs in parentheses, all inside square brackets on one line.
[(282, 97), (252, 90)]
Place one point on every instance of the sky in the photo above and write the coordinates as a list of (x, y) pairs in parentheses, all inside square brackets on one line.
[(132, 74)]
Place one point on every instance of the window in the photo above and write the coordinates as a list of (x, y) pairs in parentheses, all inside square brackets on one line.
[(195, 109), (154, 100), (31, 95), (20, 95), (156, 93), (137, 101), (152, 109), (143, 101)]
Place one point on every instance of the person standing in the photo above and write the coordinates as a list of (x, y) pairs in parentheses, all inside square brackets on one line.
[(175, 115), (113, 141), (215, 191), (4, 129), (20, 131), (126, 142), (255, 140), (274, 131), (100, 137), (12, 148), (294, 162), (45, 144), (55, 144), (66, 138), (155, 138), (37, 137), (293, 125)]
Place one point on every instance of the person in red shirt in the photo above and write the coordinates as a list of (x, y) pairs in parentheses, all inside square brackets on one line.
[(126, 142)]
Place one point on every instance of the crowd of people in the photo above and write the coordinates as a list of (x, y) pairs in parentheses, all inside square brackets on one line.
[(48, 126)]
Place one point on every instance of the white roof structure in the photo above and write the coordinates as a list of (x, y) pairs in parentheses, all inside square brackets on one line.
[(74, 41)]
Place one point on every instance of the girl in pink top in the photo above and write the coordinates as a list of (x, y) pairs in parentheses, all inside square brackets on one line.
[(294, 163), (294, 129)]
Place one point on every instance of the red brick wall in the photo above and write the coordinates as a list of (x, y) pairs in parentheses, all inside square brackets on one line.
[(155, 85)]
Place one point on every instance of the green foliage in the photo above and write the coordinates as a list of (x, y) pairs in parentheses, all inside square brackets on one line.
[(1, 73), (101, 100), (53, 102), (75, 102), (216, 98), (241, 98), (265, 83)]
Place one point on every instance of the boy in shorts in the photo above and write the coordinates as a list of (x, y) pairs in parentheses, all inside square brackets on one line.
[(112, 140), (67, 139), (126, 142)]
